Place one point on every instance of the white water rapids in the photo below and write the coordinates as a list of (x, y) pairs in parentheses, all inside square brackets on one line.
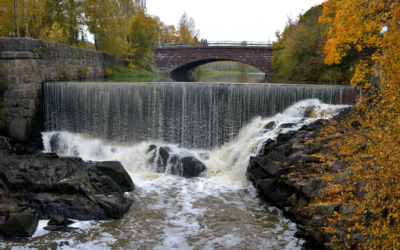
[(220, 210)]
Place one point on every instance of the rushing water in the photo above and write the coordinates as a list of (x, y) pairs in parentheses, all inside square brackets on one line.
[(193, 115), (221, 209)]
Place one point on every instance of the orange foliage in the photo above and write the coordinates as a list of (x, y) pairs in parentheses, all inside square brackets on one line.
[(370, 139)]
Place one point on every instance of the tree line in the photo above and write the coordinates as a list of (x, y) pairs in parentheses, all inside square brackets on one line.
[(119, 27), (299, 51)]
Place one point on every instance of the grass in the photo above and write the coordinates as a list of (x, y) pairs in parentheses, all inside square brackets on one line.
[(132, 74)]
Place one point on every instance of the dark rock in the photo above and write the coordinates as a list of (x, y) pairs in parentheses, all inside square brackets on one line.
[(285, 149), (117, 173), (347, 209), (286, 136), (270, 125), (310, 148), (337, 166), (302, 202), (292, 200), (4, 144), (163, 152), (300, 234), (5, 153), (20, 225), (189, 167), (314, 237), (114, 206), (326, 209), (63, 186), (269, 145), (35, 143), (19, 149), (63, 243), (151, 148), (276, 156), (287, 125), (59, 228), (267, 186), (61, 221), (270, 167)]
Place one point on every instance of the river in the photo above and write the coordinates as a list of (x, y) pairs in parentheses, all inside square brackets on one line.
[(221, 124)]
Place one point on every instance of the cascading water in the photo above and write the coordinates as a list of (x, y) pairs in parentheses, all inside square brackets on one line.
[(216, 211), (193, 115)]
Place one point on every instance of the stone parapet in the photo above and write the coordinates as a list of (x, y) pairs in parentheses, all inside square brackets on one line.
[(25, 64)]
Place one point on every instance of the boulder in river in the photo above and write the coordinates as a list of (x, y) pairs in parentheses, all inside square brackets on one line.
[(164, 160)]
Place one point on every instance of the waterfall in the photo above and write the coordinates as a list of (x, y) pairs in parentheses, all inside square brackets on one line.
[(192, 115)]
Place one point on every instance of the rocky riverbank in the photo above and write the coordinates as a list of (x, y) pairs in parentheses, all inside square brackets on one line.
[(290, 175), (45, 186)]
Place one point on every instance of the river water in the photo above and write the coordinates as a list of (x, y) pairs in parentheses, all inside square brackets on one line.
[(220, 124)]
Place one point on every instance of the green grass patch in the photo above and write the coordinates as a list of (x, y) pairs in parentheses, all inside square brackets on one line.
[(133, 75)]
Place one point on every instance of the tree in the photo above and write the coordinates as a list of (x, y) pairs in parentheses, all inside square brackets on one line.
[(187, 32), (372, 135)]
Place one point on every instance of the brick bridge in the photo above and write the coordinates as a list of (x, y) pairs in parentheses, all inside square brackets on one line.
[(182, 59)]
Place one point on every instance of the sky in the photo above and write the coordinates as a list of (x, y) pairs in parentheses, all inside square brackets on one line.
[(227, 20)]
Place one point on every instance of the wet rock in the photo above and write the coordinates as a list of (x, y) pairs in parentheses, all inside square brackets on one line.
[(287, 125), (65, 187), (20, 225), (267, 186), (151, 148), (59, 228), (270, 125), (35, 143), (187, 166), (192, 167), (114, 206), (300, 234), (61, 221), (285, 136), (117, 173)]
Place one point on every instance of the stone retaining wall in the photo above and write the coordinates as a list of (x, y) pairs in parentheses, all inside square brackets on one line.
[(25, 64)]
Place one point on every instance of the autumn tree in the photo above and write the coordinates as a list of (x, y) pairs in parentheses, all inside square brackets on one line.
[(368, 141), (186, 30), (299, 51)]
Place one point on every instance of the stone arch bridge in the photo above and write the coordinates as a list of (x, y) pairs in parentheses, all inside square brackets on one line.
[(181, 59)]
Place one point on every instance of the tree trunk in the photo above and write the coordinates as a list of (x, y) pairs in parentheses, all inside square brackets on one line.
[(26, 20)]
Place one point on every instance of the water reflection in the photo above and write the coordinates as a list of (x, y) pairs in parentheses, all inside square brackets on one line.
[(232, 78)]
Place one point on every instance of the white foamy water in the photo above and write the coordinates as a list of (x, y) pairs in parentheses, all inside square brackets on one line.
[(220, 210)]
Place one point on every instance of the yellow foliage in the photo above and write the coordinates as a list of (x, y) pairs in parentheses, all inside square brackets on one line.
[(372, 147)]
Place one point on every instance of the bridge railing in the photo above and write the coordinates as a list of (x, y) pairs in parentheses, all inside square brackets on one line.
[(214, 43)]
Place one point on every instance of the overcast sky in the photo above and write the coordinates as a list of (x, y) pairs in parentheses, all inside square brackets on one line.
[(227, 20)]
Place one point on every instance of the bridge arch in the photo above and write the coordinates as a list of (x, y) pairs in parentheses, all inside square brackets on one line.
[(182, 59), (193, 63)]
